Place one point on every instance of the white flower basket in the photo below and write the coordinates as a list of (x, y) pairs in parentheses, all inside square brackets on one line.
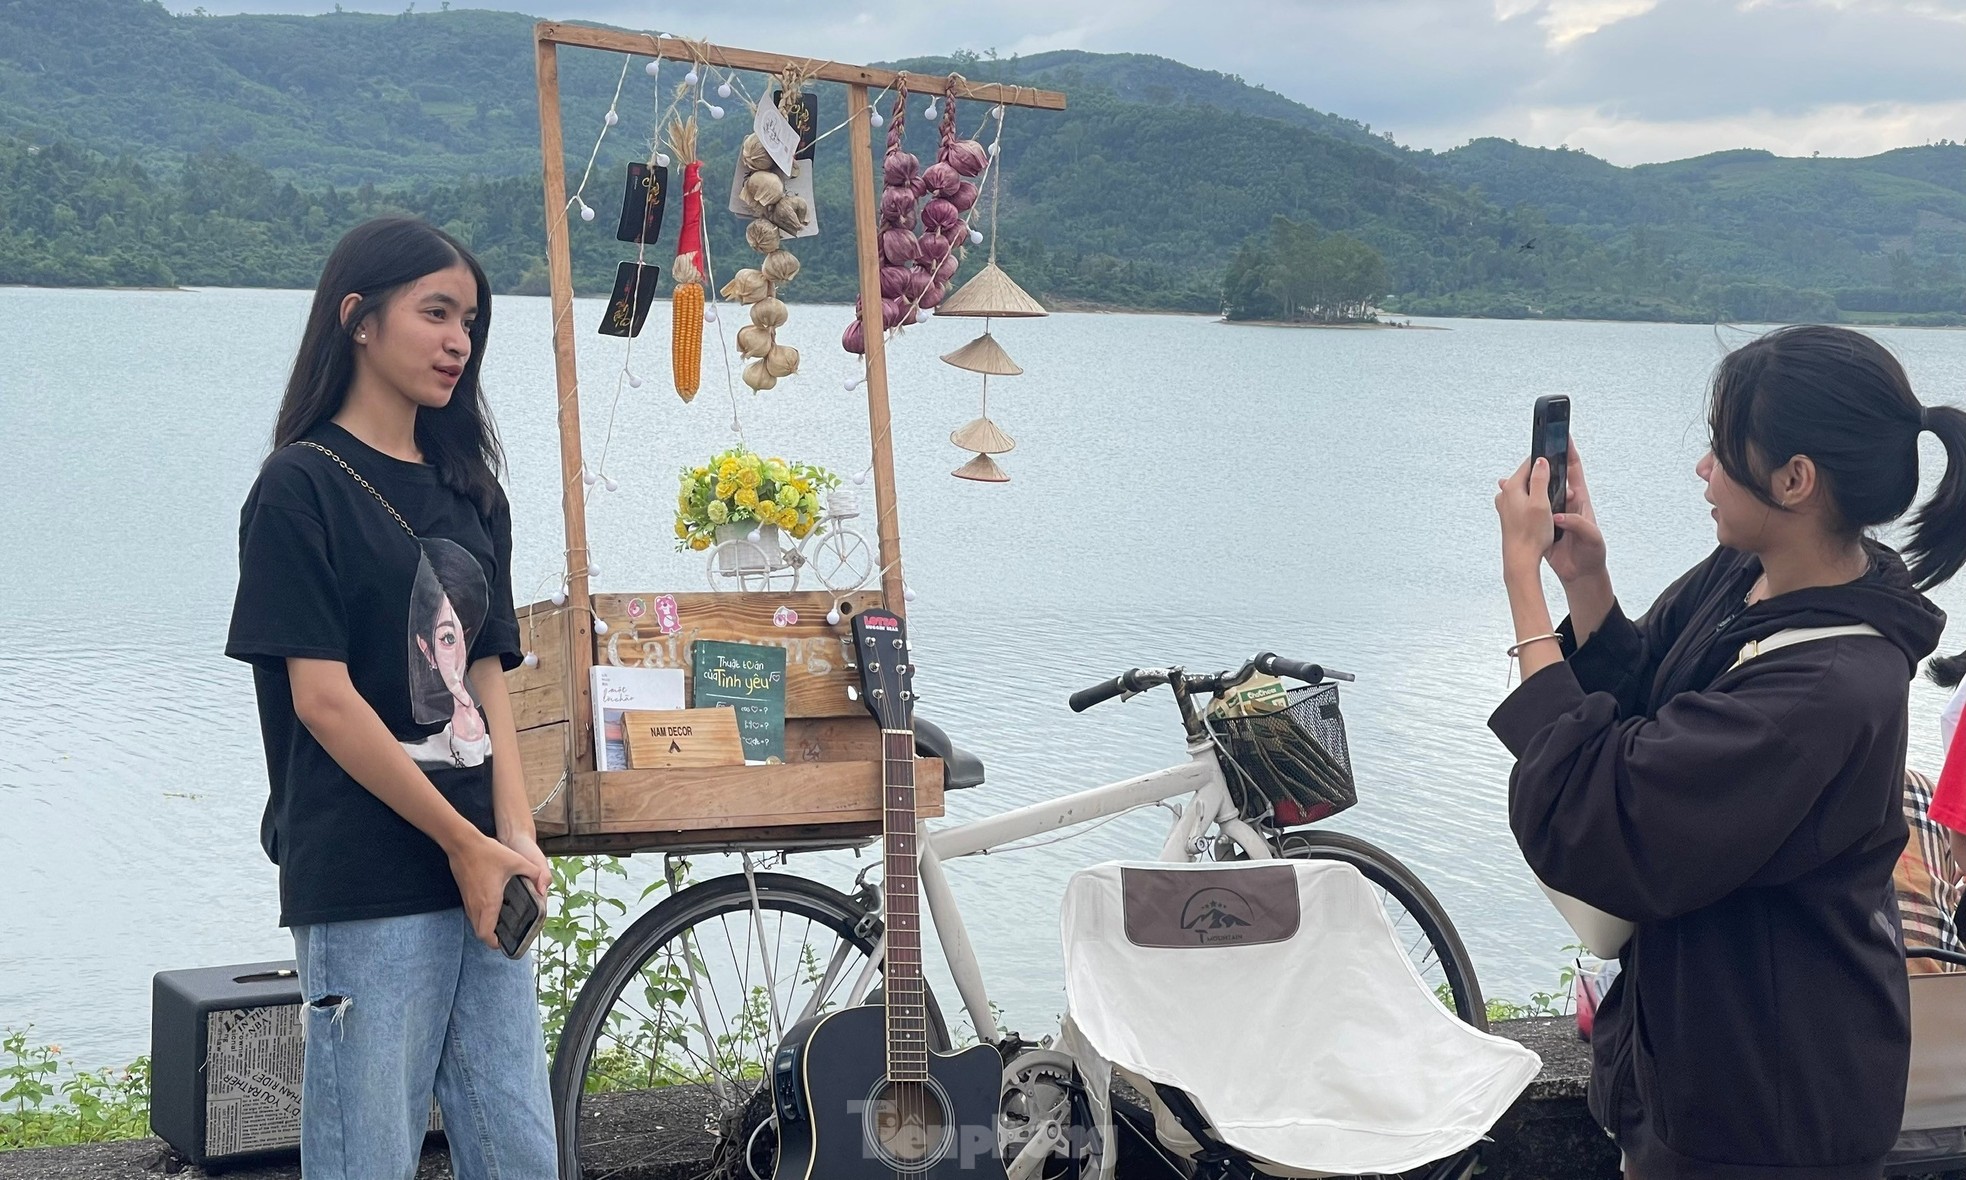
[(760, 556), (842, 504)]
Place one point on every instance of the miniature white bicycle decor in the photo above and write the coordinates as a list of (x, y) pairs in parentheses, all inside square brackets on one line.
[(759, 557)]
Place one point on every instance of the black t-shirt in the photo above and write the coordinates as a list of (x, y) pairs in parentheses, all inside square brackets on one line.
[(326, 573)]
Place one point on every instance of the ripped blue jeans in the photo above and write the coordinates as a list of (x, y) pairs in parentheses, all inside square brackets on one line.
[(394, 1008)]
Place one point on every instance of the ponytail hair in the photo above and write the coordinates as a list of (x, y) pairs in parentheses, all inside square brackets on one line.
[(1842, 399), (1947, 671), (1937, 547)]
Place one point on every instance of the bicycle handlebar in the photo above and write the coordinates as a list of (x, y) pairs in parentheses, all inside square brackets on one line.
[(1137, 680), (1132, 680), (1275, 665)]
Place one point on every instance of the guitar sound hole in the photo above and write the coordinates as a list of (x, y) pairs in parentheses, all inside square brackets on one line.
[(908, 1124)]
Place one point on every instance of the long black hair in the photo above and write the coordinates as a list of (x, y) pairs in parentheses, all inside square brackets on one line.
[(376, 260), (1843, 400)]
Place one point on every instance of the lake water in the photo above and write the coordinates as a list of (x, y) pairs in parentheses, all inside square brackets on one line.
[(1182, 491)]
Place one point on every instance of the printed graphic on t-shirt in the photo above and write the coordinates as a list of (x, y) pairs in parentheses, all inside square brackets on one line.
[(447, 610)]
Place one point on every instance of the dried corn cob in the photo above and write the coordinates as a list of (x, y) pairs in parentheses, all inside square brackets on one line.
[(686, 300)]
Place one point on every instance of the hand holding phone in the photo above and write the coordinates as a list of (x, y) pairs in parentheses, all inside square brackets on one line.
[(1550, 439), (520, 917)]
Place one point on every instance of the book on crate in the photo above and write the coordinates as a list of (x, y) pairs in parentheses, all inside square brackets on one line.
[(617, 690)]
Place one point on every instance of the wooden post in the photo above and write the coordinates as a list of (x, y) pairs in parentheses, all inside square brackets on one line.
[(559, 271), (867, 238)]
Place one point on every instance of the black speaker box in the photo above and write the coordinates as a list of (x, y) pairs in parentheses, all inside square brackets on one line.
[(225, 1062)]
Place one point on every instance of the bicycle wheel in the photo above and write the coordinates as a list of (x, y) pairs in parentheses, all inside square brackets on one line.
[(677, 1025), (1418, 920), (842, 561)]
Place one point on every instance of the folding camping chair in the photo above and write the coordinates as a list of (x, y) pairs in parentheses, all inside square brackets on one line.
[(1275, 1022), (1933, 1137)]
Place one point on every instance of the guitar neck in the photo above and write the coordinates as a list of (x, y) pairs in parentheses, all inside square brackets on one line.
[(907, 1011)]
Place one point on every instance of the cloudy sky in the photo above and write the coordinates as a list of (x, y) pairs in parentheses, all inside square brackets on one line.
[(1630, 80)]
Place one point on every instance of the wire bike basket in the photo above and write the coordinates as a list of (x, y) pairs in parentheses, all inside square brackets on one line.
[(1293, 763)]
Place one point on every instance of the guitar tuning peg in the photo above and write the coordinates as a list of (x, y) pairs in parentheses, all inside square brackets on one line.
[(852, 693)]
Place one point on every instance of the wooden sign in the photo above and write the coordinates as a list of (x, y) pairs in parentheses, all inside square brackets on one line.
[(660, 738), (750, 678)]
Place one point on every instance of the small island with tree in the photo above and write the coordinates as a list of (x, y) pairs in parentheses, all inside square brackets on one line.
[(1299, 275)]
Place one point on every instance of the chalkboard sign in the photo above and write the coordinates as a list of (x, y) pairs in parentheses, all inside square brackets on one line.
[(750, 679)]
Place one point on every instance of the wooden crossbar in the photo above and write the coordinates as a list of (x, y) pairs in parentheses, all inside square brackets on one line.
[(677, 49)]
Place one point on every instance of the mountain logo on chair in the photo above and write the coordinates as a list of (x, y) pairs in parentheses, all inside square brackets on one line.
[(1179, 910), (861, 1092), (1218, 912)]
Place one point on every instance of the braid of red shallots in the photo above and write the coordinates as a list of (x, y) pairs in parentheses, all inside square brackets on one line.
[(896, 218)]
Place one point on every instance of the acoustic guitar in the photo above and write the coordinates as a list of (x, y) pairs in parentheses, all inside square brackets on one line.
[(859, 1093)]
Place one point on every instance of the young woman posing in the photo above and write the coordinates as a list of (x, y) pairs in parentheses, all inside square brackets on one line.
[(375, 606), (1747, 817)]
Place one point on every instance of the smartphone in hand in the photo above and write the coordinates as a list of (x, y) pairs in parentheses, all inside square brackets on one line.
[(1550, 439), (520, 917)]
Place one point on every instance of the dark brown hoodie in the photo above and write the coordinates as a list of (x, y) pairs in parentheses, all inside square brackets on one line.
[(1747, 819)]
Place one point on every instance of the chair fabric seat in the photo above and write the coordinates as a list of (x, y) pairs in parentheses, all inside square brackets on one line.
[(1276, 995)]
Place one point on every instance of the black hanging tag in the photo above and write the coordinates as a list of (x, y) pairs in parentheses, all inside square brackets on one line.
[(634, 291), (641, 203), (804, 119)]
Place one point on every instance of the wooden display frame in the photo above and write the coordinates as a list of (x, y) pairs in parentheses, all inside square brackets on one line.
[(828, 790)]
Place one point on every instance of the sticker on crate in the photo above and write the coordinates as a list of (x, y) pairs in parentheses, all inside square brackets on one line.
[(751, 679), (659, 739), (617, 690)]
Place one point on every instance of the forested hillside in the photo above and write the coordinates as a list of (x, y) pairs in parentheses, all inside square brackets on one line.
[(141, 147)]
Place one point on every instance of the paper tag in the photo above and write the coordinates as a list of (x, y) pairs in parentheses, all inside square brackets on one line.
[(780, 138), (634, 291), (641, 204), (804, 119)]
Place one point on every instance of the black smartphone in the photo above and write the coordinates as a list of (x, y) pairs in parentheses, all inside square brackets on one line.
[(520, 917), (1550, 439)]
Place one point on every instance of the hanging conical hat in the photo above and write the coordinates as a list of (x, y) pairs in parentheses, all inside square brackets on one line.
[(984, 355), (990, 293), (983, 435), (982, 469)]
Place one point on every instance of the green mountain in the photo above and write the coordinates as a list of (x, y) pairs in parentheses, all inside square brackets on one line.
[(138, 146), (1886, 233)]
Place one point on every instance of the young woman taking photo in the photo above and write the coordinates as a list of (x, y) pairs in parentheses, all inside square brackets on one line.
[(1745, 818), (375, 606)]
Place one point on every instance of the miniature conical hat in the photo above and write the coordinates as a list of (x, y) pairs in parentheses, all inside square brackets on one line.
[(982, 435), (982, 469), (984, 355), (990, 293)]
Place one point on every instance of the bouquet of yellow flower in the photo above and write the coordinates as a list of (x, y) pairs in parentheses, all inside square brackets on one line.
[(739, 487)]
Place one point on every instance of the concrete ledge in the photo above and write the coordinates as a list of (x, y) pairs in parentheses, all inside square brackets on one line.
[(1547, 1135)]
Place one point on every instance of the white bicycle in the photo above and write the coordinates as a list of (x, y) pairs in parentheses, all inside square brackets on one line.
[(834, 555), (679, 1021)]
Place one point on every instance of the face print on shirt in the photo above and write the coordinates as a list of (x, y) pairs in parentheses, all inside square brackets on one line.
[(447, 610)]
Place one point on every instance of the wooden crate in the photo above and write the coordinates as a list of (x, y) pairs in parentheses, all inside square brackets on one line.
[(826, 793)]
